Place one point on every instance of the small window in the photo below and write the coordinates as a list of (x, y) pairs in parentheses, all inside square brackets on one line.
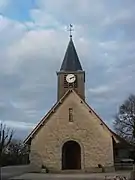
[(70, 114)]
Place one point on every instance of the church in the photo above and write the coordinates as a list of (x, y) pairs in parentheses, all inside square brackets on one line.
[(71, 136)]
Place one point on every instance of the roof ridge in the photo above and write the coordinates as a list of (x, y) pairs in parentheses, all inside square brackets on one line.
[(43, 119)]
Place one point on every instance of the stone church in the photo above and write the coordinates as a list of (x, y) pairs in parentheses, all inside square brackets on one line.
[(71, 136)]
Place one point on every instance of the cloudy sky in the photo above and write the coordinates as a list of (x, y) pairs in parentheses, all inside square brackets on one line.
[(33, 40)]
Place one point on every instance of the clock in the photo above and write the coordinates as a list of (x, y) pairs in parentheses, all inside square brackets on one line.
[(70, 78)]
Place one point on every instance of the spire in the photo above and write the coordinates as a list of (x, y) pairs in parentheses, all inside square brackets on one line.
[(71, 61)]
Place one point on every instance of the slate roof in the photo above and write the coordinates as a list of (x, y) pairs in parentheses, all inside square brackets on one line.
[(71, 61)]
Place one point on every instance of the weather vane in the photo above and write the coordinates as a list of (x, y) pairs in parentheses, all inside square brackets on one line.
[(70, 30)]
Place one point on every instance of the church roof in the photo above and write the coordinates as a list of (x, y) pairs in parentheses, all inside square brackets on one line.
[(71, 61), (44, 120)]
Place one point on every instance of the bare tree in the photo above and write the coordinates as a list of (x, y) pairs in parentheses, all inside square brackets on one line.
[(5, 138), (124, 123), (18, 152)]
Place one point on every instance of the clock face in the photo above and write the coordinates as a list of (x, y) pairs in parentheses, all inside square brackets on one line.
[(70, 78)]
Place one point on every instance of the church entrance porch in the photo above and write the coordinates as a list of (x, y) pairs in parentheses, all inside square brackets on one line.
[(71, 156)]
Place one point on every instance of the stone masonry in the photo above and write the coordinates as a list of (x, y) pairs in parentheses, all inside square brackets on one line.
[(87, 129)]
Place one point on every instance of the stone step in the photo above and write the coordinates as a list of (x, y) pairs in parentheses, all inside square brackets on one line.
[(71, 172)]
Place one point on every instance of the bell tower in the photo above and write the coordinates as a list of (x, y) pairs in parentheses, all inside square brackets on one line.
[(71, 74)]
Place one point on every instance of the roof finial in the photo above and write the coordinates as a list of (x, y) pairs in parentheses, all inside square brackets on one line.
[(70, 30)]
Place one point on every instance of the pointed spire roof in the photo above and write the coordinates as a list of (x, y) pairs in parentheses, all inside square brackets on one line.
[(71, 61)]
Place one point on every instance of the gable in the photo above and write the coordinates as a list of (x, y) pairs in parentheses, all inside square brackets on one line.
[(80, 107)]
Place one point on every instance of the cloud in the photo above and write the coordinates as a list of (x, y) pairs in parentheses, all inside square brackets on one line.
[(100, 90), (3, 4), (20, 125), (32, 51), (43, 19)]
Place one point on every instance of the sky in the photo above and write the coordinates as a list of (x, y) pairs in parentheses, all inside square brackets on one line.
[(33, 41)]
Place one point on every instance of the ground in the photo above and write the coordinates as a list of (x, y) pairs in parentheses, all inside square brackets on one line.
[(94, 176), (21, 173), (11, 171)]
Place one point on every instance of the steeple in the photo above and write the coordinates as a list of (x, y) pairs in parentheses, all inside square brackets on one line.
[(71, 61), (71, 75)]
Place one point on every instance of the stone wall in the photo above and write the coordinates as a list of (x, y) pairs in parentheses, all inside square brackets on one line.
[(86, 129)]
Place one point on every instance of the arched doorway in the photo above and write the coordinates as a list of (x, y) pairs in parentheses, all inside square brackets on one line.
[(71, 155)]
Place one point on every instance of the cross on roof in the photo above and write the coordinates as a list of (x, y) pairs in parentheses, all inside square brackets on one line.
[(70, 30)]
